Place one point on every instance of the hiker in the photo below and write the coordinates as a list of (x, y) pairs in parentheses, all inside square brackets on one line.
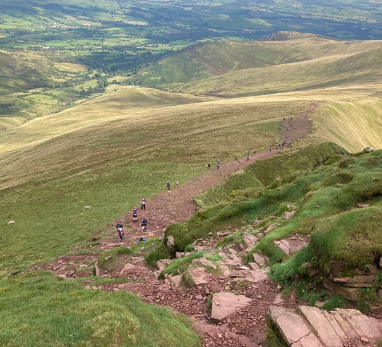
[(144, 224), (135, 214), (141, 239), (254, 151), (120, 231), (143, 204), (168, 186), (248, 155), (217, 164), (176, 184), (208, 166)]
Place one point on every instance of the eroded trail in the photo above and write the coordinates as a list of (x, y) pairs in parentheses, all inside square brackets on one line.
[(177, 204), (247, 326)]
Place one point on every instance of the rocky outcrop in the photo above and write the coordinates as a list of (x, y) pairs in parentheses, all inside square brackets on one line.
[(348, 286), (311, 327), (289, 215), (249, 240), (291, 244)]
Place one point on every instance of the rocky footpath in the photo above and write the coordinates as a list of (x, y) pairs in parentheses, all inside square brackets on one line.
[(310, 327)]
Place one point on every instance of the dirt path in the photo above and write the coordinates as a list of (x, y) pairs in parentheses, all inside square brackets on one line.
[(177, 204), (246, 328)]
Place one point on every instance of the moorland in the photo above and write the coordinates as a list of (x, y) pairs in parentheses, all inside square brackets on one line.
[(102, 103)]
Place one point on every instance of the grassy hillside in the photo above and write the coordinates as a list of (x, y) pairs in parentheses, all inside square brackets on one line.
[(240, 64), (32, 85), (108, 153), (336, 199), (244, 201), (329, 71), (343, 78), (353, 125)]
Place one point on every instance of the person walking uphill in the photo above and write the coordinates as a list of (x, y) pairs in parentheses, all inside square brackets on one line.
[(143, 204), (218, 164), (168, 185), (120, 231)]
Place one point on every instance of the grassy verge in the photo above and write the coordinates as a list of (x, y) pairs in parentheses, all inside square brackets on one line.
[(41, 310)]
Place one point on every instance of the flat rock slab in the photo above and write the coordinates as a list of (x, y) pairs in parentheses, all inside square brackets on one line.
[(161, 264), (291, 326), (199, 275), (312, 327), (204, 262), (258, 259), (225, 304), (249, 240), (364, 326), (321, 325), (283, 245)]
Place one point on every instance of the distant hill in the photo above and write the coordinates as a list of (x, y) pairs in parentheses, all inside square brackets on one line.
[(17, 74), (295, 61)]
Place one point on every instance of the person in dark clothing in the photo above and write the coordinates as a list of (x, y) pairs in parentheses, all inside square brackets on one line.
[(135, 214), (120, 231), (144, 224)]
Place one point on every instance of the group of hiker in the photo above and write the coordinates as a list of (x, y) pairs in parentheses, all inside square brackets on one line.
[(119, 226)]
